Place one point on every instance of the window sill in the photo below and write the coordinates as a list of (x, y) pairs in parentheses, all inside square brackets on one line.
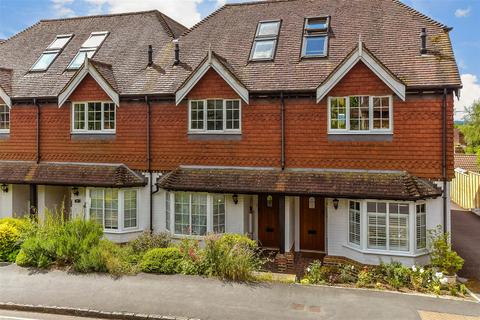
[(362, 137), (93, 136), (215, 136), (333, 132), (388, 253), (124, 231), (4, 135), (214, 132)]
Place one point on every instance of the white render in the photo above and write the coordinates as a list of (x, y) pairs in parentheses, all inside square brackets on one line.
[(15, 202)]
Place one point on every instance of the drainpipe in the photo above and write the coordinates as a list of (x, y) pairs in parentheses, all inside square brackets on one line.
[(282, 126), (444, 158), (149, 169)]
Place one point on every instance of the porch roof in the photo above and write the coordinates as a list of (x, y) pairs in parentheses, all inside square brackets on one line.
[(326, 183), (69, 174)]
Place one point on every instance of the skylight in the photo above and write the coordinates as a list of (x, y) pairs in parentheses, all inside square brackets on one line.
[(88, 49), (52, 51), (315, 37), (265, 40)]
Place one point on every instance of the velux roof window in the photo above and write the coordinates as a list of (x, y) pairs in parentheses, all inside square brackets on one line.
[(266, 39), (52, 51), (88, 49), (315, 37)]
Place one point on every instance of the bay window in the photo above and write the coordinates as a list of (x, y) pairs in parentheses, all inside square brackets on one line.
[(354, 223), (421, 225), (114, 209), (93, 117), (215, 116), (360, 114), (4, 118)]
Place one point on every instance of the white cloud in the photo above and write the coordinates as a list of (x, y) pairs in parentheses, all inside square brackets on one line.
[(462, 13), (221, 3), (61, 9), (184, 11), (469, 93)]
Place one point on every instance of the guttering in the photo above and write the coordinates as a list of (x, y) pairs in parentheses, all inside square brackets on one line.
[(444, 158), (282, 128), (149, 169)]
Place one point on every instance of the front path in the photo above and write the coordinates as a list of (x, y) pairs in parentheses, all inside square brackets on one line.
[(202, 298)]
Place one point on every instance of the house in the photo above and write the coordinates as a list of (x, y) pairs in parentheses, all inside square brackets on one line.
[(314, 126)]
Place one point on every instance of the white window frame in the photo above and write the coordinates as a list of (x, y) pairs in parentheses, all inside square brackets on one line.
[(85, 130), (9, 118), (210, 198), (312, 33), (86, 49), (360, 223), (120, 213), (205, 130), (260, 38), (55, 51), (370, 116), (417, 226)]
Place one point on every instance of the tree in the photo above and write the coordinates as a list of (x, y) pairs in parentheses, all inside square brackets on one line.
[(471, 128)]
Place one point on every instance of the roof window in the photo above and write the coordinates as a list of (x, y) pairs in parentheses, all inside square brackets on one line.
[(88, 49), (265, 41), (52, 51), (315, 37)]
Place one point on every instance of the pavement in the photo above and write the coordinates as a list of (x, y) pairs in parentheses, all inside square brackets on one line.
[(206, 298), (466, 240)]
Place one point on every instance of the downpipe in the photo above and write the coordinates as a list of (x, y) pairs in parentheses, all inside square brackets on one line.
[(149, 169), (444, 158)]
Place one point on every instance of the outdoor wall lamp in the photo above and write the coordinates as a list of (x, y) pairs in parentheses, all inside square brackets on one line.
[(4, 187), (235, 198), (75, 191), (335, 203)]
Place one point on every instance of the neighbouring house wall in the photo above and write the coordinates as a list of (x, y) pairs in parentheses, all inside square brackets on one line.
[(21, 199), (6, 203)]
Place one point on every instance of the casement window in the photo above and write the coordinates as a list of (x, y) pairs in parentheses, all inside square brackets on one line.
[(377, 225), (315, 37), (398, 214), (266, 38), (88, 49), (421, 226), (114, 209), (51, 53), (4, 118), (215, 116), (167, 211), (93, 117), (360, 114), (197, 214), (354, 222)]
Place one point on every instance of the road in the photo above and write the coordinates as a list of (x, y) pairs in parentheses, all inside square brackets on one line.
[(17, 315)]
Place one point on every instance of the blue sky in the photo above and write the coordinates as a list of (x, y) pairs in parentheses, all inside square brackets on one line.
[(462, 15)]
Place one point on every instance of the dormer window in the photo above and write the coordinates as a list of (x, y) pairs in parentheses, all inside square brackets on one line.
[(265, 42), (315, 37), (4, 118), (52, 51), (88, 49)]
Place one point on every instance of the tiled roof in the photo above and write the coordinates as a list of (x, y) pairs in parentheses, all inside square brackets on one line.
[(468, 162), (6, 80), (69, 174), (106, 72), (339, 184)]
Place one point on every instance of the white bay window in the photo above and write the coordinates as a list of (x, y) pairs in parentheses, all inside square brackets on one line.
[(215, 116), (93, 117), (4, 118)]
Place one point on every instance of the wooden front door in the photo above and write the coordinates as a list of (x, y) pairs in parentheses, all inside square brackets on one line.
[(268, 221), (312, 223)]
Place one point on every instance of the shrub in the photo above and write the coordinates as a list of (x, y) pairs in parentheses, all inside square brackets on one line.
[(147, 241), (347, 274), (442, 256), (394, 274), (314, 274), (161, 260), (9, 242), (231, 256), (365, 279), (192, 258)]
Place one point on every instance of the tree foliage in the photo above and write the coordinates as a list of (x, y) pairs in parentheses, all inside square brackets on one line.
[(471, 128)]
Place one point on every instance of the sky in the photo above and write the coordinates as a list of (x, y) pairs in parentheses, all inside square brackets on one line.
[(462, 15)]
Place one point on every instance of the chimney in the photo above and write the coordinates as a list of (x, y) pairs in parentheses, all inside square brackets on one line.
[(423, 37), (177, 53), (150, 55)]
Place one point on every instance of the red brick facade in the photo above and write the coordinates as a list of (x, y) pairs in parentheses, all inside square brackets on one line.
[(415, 146)]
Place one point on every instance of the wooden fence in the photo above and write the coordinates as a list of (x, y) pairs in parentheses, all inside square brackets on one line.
[(465, 189)]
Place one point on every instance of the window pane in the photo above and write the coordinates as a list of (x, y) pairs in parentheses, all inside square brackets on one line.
[(4, 117), (263, 49), (377, 225), (381, 113), (182, 213), (215, 115), (109, 116), (199, 214), (80, 58), (354, 222), (167, 211), (45, 60), (111, 209), (359, 113), (196, 115), (268, 28), (96, 205), (398, 227), (338, 110), (94, 41), (219, 214), (233, 114), (316, 24), (315, 45), (421, 224), (95, 116), (79, 116), (59, 42), (130, 209)]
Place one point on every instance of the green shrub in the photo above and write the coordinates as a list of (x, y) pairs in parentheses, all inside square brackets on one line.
[(161, 260), (365, 279), (192, 258), (9, 242), (147, 241), (394, 274), (442, 256), (347, 274), (22, 259), (314, 274)]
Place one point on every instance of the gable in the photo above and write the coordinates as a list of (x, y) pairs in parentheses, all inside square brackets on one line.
[(212, 85), (89, 90), (4, 98)]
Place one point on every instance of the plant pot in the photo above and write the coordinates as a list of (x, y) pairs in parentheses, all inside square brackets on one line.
[(451, 279)]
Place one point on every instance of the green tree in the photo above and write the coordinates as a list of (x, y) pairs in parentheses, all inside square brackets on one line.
[(471, 128)]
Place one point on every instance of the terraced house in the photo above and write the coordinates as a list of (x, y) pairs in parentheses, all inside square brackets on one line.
[(314, 126)]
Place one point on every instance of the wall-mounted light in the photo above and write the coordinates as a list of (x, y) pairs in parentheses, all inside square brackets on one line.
[(75, 191), (4, 187), (335, 203), (235, 198)]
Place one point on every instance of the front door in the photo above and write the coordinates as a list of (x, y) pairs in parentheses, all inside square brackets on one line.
[(312, 224), (268, 221)]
